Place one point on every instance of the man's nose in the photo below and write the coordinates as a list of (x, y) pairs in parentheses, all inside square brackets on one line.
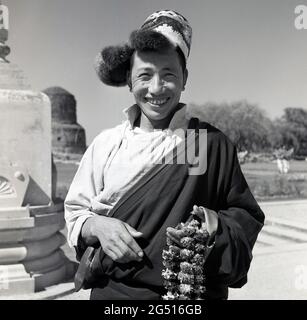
[(156, 85)]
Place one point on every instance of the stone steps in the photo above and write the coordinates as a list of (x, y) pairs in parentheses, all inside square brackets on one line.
[(270, 240), (287, 224), (19, 252), (30, 255), (18, 223), (280, 231), (10, 213), (286, 234)]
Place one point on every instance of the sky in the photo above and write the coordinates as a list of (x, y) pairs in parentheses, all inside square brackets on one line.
[(241, 49)]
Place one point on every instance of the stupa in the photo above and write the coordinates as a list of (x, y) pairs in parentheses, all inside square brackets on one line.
[(68, 137), (30, 217)]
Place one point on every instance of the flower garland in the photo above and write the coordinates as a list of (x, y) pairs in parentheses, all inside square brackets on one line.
[(183, 273)]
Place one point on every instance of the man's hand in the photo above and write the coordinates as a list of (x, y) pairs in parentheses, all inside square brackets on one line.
[(199, 212), (116, 238), (176, 234)]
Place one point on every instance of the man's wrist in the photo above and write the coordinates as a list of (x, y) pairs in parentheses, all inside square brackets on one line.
[(88, 231)]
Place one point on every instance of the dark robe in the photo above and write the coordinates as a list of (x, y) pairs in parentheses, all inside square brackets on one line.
[(165, 197)]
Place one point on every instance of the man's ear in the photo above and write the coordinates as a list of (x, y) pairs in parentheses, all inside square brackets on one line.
[(129, 80), (185, 78)]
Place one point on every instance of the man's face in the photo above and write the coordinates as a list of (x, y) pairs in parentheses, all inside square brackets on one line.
[(156, 81)]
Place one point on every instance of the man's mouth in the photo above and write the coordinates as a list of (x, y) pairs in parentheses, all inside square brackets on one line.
[(157, 102)]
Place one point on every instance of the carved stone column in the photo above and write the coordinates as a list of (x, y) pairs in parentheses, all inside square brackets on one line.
[(30, 218)]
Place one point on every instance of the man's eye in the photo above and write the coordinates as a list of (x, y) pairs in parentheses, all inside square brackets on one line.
[(143, 75)]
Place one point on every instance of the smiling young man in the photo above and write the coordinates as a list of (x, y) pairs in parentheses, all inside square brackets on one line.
[(125, 201), (157, 79)]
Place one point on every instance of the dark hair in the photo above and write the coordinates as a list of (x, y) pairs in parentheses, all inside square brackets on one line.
[(148, 40)]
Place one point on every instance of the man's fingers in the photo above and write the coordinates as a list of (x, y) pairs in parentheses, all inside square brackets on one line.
[(112, 252), (132, 244), (119, 252), (175, 233), (199, 211), (174, 239), (127, 254), (133, 232)]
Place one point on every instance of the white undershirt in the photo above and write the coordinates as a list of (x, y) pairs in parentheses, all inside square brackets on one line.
[(139, 152)]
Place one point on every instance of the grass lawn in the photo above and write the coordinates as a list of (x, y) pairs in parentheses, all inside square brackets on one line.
[(266, 183), (270, 168), (263, 179)]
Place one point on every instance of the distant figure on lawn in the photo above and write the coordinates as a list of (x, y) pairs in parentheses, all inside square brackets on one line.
[(283, 157), (242, 156)]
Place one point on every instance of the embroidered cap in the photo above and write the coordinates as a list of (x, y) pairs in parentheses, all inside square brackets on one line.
[(159, 30), (173, 26)]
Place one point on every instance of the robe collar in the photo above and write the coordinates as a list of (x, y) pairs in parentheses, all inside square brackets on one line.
[(180, 118)]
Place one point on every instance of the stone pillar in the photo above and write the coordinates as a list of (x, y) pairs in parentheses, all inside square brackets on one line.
[(30, 218)]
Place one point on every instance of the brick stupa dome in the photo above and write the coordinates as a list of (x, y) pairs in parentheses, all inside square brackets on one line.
[(68, 137)]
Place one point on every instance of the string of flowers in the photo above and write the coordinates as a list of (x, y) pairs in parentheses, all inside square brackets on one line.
[(184, 272)]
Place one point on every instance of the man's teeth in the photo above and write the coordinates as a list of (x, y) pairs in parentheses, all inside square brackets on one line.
[(157, 101)]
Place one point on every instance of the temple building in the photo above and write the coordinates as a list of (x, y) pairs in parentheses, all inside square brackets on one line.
[(68, 137)]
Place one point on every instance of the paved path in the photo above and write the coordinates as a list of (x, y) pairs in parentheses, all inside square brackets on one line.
[(277, 274), (279, 267)]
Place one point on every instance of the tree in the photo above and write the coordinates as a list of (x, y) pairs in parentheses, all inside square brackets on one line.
[(292, 127), (245, 124)]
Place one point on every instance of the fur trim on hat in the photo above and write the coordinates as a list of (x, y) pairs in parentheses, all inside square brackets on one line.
[(148, 40), (112, 64)]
